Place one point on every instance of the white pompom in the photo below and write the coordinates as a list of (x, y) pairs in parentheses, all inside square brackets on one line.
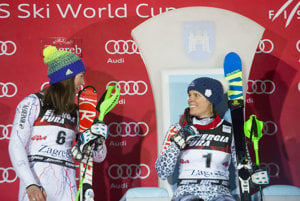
[(225, 84)]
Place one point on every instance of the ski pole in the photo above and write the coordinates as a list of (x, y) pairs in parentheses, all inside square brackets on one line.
[(108, 101), (253, 130)]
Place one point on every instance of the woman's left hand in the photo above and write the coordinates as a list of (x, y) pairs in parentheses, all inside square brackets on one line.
[(35, 193)]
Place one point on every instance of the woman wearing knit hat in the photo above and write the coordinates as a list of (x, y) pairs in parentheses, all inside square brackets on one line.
[(202, 146), (44, 129)]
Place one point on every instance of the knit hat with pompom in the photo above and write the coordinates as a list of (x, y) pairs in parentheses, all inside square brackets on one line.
[(62, 65)]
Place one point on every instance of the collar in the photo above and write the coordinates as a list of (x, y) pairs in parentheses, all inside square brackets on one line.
[(208, 126)]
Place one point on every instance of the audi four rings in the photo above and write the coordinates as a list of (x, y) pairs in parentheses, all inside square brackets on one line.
[(8, 89), (8, 48), (128, 171), (130, 87), (5, 131), (260, 87), (265, 46), (121, 47), (7, 175), (272, 168), (131, 129)]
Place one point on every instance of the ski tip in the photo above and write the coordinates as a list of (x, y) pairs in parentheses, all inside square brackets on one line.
[(232, 63), (232, 56)]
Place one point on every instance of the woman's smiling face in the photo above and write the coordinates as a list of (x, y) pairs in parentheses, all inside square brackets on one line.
[(79, 81), (199, 105)]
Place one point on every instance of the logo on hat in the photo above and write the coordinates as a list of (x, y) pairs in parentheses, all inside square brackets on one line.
[(69, 72), (208, 93)]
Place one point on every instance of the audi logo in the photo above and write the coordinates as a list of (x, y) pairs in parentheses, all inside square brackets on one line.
[(131, 129), (265, 46), (5, 132), (298, 46), (272, 168), (8, 175), (8, 89), (121, 47), (270, 128), (130, 87), (128, 171), (8, 48), (260, 87)]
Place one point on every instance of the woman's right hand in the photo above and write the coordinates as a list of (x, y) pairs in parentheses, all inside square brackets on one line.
[(36, 193)]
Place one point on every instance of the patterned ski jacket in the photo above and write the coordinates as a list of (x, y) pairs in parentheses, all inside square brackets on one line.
[(203, 165)]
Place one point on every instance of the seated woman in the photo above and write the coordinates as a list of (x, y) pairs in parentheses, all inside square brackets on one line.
[(202, 144)]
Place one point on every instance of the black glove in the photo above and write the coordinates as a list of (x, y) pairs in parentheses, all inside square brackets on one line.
[(184, 135), (99, 143)]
